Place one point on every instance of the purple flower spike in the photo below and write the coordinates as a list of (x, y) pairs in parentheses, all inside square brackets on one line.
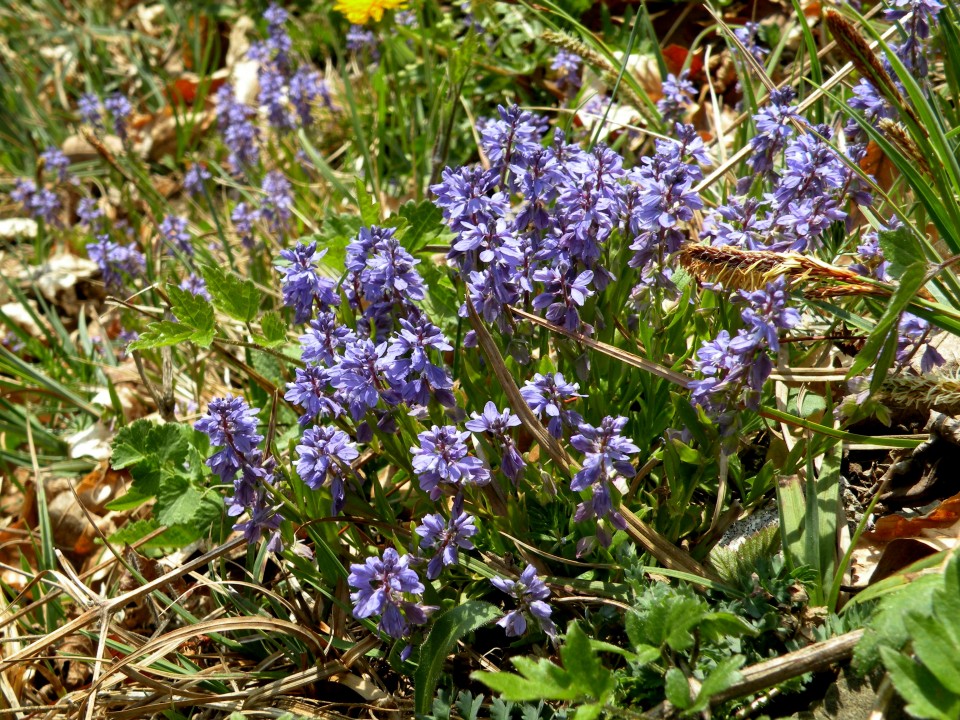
[(497, 424), (529, 592), (232, 424), (326, 452), (381, 589), (309, 391), (303, 287), (442, 458), (173, 229), (546, 396), (446, 537), (195, 285)]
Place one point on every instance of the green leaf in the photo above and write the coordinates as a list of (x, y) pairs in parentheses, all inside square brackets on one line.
[(588, 712), (162, 334), (933, 646), (173, 537), (725, 674), (196, 323), (424, 223), (911, 281), (447, 629), (925, 697), (678, 689), (274, 330), (143, 440), (540, 680), (369, 210), (237, 298), (900, 249), (717, 625), (583, 664)]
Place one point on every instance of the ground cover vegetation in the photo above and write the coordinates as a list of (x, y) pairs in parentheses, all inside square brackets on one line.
[(481, 360)]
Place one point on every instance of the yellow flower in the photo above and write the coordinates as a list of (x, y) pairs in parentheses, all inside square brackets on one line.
[(359, 12)]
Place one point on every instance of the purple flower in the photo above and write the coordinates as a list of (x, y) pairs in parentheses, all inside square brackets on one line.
[(360, 40), (40, 202), (382, 586), (606, 462), (498, 424), (243, 218), (916, 30), (115, 259), (546, 396), (407, 356), (278, 42), (446, 537), (767, 312), (469, 195), (309, 391), (277, 200), (774, 129), (232, 424), (173, 229), (747, 35), (305, 87), (56, 162), (914, 334), (326, 452), (119, 108), (88, 105), (239, 133), (442, 458), (515, 132), (324, 338), (194, 179), (678, 94), (195, 285), (303, 287), (264, 520), (567, 67), (563, 292), (357, 376), (89, 213), (272, 96), (529, 592)]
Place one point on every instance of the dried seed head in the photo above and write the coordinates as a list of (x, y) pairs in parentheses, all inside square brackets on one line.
[(856, 50), (898, 134)]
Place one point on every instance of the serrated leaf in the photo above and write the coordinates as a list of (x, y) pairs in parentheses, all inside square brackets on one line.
[(717, 625), (237, 298), (677, 689), (162, 334), (196, 323), (583, 664), (933, 646), (917, 685), (541, 680), (172, 537), (725, 674), (369, 210), (900, 249), (424, 223), (274, 330), (447, 629)]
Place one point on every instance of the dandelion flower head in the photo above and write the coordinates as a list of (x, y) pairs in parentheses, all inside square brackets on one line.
[(359, 12)]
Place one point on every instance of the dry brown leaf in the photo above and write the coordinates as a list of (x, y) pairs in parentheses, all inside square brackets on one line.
[(892, 527)]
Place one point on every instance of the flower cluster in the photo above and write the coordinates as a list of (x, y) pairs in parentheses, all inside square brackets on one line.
[(442, 457), (304, 289), (446, 538), (497, 425), (326, 453), (547, 396), (736, 368), (530, 592), (606, 463), (384, 587), (114, 260), (231, 424)]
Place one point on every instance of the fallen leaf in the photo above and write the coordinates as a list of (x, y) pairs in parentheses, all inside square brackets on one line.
[(892, 527)]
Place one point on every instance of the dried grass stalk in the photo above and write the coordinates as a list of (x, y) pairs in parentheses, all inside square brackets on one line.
[(921, 392), (753, 269)]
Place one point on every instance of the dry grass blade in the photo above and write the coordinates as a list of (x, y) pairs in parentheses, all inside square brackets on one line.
[(91, 615), (529, 420), (610, 350), (163, 645)]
